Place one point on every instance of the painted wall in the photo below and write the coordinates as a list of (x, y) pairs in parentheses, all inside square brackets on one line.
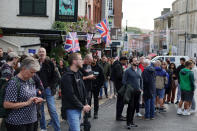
[(9, 9), (81, 7)]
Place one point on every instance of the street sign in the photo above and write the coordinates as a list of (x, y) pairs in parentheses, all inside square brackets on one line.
[(33, 51)]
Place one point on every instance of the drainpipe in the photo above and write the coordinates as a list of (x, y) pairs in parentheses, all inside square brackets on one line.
[(186, 30)]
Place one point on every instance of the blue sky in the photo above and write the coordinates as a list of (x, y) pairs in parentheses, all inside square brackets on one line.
[(140, 13)]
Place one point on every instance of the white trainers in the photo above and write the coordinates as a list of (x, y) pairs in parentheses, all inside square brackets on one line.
[(192, 111), (43, 130), (139, 114), (179, 111), (186, 113)]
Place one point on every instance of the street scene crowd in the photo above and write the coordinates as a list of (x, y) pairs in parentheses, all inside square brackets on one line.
[(28, 82)]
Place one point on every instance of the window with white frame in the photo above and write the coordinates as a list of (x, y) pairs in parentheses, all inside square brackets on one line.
[(110, 4)]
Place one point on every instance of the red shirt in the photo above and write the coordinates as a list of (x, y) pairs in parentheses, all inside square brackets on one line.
[(141, 67)]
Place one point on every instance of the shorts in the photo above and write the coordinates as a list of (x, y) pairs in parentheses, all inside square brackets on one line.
[(160, 93), (187, 96)]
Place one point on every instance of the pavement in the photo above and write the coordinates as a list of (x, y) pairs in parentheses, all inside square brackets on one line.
[(168, 121)]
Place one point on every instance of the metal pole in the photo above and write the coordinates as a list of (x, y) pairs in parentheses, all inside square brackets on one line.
[(186, 30)]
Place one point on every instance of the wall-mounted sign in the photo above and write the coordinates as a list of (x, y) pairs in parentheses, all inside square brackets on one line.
[(33, 51), (66, 10)]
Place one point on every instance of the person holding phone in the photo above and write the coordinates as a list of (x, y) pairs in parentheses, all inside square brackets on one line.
[(21, 98), (96, 84)]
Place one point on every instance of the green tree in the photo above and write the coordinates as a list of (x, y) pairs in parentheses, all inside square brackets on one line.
[(135, 30), (82, 25)]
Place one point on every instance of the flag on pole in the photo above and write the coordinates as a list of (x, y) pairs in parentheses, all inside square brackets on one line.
[(89, 39), (104, 31), (72, 42)]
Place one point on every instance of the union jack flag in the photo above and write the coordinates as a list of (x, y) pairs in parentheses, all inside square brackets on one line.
[(72, 42), (89, 39), (104, 31)]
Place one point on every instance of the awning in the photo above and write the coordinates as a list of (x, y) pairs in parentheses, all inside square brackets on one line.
[(152, 55), (31, 32)]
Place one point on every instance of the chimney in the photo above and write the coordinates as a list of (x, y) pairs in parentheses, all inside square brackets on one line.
[(165, 10)]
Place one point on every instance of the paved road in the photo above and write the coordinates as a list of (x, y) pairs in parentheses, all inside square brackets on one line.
[(164, 121)]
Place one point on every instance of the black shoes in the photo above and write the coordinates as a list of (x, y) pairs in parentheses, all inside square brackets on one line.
[(133, 125), (95, 115), (177, 102), (129, 126), (121, 118), (161, 110)]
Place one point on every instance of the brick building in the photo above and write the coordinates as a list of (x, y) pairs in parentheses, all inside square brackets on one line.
[(118, 14), (97, 9)]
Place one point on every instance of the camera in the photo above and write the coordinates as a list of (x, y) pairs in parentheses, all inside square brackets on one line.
[(95, 73)]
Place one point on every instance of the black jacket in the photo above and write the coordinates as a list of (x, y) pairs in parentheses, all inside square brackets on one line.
[(99, 81), (48, 74), (117, 74), (73, 91), (85, 72), (7, 71), (2, 61), (62, 70), (149, 77)]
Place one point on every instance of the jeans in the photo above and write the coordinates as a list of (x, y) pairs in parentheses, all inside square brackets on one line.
[(160, 93), (52, 111), (112, 88), (149, 107), (73, 118), (179, 93), (105, 89)]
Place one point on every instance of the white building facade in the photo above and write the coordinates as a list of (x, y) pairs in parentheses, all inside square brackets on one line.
[(185, 26), (17, 16)]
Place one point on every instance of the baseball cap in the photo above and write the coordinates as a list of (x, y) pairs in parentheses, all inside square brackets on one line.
[(123, 58), (13, 55)]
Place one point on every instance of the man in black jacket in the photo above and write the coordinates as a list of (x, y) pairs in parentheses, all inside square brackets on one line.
[(149, 89), (117, 74), (74, 99), (180, 67), (49, 79), (96, 84)]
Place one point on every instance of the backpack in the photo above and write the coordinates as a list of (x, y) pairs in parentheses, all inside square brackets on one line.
[(3, 84), (161, 81)]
